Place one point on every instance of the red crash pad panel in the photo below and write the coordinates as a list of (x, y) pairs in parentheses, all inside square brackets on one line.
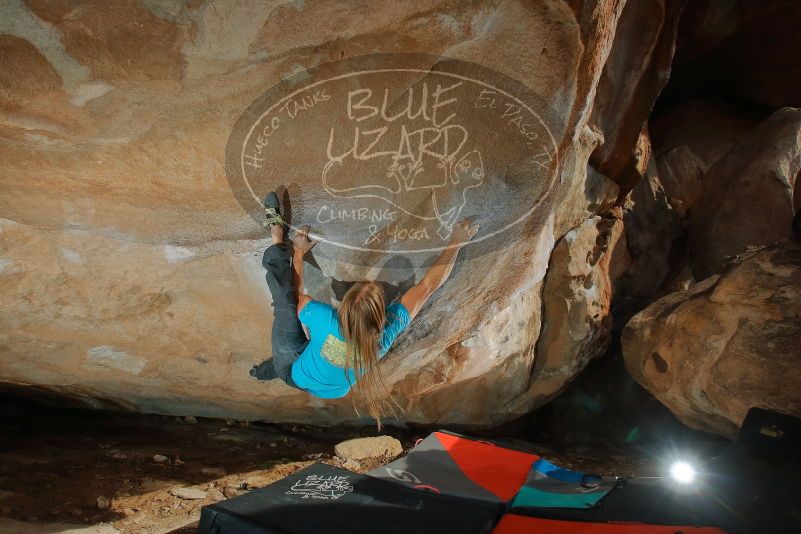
[(497, 469), (518, 524)]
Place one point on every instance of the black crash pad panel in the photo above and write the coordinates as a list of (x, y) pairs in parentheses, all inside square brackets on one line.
[(326, 499)]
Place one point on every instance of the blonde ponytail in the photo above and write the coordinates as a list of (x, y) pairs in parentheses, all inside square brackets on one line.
[(362, 315)]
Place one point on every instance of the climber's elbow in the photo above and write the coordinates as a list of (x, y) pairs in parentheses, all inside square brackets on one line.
[(428, 288)]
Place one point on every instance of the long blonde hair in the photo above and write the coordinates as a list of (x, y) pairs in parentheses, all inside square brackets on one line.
[(362, 315)]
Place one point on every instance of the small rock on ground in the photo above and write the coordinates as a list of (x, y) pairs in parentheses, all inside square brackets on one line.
[(232, 491), (364, 448), (160, 458), (216, 495), (188, 493), (351, 465), (190, 419), (103, 503)]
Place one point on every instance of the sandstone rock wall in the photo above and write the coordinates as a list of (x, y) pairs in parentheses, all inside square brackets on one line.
[(635, 74), (577, 297), (131, 277), (130, 270)]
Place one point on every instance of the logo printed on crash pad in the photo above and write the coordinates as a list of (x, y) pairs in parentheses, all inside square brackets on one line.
[(403, 476), (321, 487)]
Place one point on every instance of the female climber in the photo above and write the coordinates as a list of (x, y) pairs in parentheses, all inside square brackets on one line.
[(345, 345)]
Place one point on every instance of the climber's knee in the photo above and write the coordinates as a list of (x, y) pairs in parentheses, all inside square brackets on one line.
[(275, 254)]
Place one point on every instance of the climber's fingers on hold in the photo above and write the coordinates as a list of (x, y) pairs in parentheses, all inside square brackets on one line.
[(468, 226), (305, 231), (303, 240)]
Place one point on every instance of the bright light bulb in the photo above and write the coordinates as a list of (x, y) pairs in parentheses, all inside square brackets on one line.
[(683, 472)]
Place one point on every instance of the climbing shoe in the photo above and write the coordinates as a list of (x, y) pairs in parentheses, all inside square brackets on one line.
[(272, 211), (264, 371)]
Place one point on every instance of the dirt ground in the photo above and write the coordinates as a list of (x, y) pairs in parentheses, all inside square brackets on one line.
[(117, 472), (85, 468)]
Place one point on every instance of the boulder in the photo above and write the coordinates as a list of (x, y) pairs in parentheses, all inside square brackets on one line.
[(131, 274), (727, 344), (689, 137), (367, 448), (746, 198)]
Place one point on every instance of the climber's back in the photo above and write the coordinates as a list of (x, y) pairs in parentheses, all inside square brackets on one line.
[(346, 344)]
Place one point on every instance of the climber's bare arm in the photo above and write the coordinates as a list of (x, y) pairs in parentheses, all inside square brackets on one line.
[(302, 245), (415, 298)]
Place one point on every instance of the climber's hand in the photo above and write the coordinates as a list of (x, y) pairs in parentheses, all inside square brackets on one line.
[(463, 231), (301, 240)]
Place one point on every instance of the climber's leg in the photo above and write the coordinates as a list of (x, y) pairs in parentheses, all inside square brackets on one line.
[(288, 338)]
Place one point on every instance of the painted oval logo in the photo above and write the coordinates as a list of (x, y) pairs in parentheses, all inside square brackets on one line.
[(384, 153)]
